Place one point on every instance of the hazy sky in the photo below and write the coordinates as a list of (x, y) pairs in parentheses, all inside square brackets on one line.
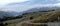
[(3, 2), (24, 6)]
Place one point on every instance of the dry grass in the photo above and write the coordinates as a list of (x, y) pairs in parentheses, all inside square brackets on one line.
[(46, 16), (27, 24), (49, 17)]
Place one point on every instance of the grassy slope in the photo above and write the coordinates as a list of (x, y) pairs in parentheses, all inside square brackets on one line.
[(49, 17), (36, 15), (28, 24), (27, 16)]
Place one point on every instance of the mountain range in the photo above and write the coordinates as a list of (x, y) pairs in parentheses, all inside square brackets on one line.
[(35, 9), (14, 9), (7, 14)]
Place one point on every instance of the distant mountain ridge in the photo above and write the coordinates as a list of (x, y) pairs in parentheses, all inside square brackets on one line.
[(36, 9), (7, 14), (26, 7)]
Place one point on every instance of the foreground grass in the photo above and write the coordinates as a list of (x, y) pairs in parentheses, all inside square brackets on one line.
[(12, 22), (27, 24)]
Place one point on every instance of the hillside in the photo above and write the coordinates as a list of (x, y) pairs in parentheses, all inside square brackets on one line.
[(35, 17), (49, 17), (53, 16), (2, 14)]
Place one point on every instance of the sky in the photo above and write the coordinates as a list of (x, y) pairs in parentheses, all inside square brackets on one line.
[(3, 2), (20, 6)]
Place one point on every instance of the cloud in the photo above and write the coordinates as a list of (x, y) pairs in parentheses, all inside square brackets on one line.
[(10, 1), (24, 8), (20, 8), (58, 0), (58, 4)]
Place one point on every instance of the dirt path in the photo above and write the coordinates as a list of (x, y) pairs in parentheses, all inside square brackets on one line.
[(28, 21), (49, 24), (19, 24)]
